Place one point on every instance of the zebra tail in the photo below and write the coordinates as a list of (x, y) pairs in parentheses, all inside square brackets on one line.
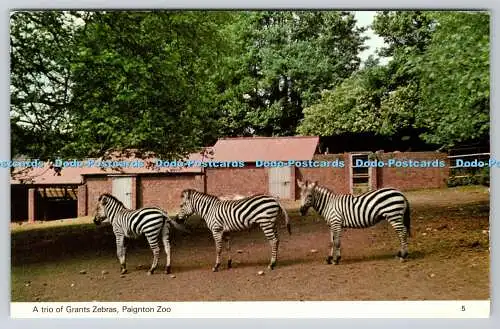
[(287, 218), (176, 225), (406, 218)]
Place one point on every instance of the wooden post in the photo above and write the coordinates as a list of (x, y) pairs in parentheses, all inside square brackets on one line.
[(32, 205), (82, 200)]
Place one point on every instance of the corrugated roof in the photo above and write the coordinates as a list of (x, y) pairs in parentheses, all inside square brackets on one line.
[(251, 149), (74, 175), (59, 193)]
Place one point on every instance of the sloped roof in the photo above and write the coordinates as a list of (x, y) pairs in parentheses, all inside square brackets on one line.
[(46, 175), (251, 149), (74, 175)]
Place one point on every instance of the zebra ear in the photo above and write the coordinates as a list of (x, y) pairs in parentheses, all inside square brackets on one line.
[(314, 184), (104, 201), (300, 183)]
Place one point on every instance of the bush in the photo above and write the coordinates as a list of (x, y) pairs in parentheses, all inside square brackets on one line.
[(480, 177)]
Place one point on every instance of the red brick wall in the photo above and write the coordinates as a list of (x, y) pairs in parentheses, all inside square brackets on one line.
[(336, 179), (95, 187), (412, 178), (165, 191), (82, 200), (244, 181)]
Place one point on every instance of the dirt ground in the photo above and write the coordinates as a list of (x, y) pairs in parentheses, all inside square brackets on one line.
[(449, 260)]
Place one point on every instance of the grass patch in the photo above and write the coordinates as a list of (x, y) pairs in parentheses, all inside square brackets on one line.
[(40, 225)]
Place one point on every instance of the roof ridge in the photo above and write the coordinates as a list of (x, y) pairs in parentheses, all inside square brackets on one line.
[(265, 137)]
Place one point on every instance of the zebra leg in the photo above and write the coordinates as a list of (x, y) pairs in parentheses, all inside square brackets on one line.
[(153, 243), (156, 256), (218, 249), (228, 250), (168, 269), (334, 246), (402, 233), (330, 255), (166, 245), (272, 236), (121, 252), (274, 252)]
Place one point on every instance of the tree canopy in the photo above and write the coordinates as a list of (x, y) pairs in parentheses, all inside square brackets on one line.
[(436, 83), (170, 82)]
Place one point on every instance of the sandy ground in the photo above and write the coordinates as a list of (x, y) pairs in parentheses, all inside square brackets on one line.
[(449, 259)]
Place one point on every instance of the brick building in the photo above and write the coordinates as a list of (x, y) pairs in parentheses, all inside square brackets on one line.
[(42, 194), (342, 176), (254, 177), (140, 187)]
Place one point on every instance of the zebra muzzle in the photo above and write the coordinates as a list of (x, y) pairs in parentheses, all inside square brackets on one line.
[(96, 221), (303, 211)]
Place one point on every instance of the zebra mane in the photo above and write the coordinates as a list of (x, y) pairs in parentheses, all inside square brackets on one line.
[(190, 192), (322, 190), (112, 197)]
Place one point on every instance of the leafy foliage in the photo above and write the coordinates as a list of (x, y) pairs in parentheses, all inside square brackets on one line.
[(436, 84), (455, 79), (83, 83), (140, 82), (285, 60), (41, 52)]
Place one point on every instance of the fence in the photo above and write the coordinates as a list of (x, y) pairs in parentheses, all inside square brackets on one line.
[(469, 169)]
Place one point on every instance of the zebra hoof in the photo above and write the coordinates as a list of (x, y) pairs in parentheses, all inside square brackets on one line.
[(123, 271), (402, 260), (337, 261), (329, 260), (168, 270), (271, 266), (229, 264), (402, 256), (215, 268)]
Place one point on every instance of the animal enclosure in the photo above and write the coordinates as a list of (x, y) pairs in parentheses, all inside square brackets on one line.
[(449, 260)]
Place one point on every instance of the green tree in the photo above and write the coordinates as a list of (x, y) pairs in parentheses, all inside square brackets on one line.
[(455, 80), (406, 35), (41, 50), (436, 85), (285, 60), (352, 107), (403, 31), (143, 81)]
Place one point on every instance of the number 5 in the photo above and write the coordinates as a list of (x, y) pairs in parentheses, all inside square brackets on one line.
[(462, 308)]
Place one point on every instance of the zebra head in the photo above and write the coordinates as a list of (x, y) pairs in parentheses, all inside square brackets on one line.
[(186, 206), (306, 195), (100, 213)]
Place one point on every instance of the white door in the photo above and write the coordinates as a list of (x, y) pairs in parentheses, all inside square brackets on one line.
[(279, 182), (122, 189)]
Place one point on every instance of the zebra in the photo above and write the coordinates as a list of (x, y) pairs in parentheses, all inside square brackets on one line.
[(152, 222), (225, 216), (365, 210)]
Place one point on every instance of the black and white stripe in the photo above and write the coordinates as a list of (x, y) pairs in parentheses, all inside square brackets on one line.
[(365, 210), (152, 222), (224, 216)]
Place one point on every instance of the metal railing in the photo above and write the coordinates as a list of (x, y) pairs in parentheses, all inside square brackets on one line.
[(470, 172)]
